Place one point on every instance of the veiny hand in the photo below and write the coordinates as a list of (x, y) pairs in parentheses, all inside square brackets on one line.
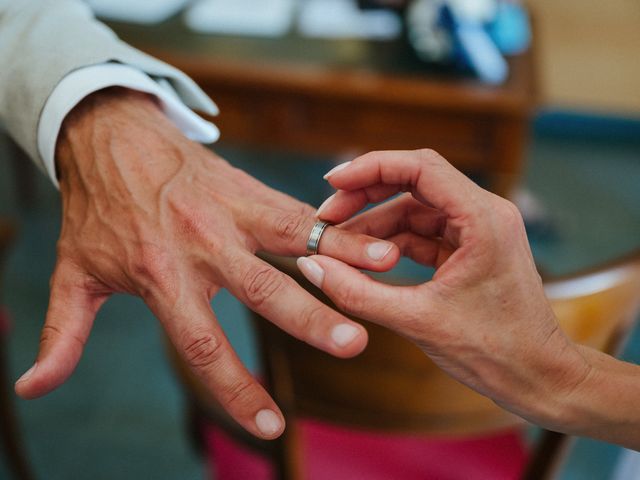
[(150, 213), (483, 317)]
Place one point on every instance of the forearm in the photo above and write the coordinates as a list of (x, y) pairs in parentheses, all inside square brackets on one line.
[(605, 404)]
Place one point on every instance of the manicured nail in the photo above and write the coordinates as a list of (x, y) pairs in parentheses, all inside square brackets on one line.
[(312, 270), (27, 374), (336, 169), (324, 205), (344, 334), (268, 422), (377, 251)]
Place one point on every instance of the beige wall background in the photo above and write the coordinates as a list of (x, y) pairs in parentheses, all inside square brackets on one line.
[(589, 54)]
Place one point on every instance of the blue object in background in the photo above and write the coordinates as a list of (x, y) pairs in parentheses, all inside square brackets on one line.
[(476, 35), (475, 47), (511, 29)]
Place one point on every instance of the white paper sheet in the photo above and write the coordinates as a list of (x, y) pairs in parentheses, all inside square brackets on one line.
[(343, 19), (265, 18), (137, 11)]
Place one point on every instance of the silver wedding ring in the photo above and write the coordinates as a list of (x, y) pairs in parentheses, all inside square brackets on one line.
[(314, 237)]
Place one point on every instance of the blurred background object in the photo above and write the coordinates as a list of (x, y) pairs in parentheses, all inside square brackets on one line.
[(11, 443), (268, 18), (588, 55), (343, 19), (137, 11), (291, 107)]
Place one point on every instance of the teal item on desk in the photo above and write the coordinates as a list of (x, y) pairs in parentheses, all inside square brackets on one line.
[(511, 28), (475, 47)]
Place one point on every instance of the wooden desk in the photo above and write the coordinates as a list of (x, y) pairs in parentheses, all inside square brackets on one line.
[(325, 96)]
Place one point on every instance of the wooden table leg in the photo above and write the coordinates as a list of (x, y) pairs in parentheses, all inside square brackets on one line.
[(10, 439), (25, 175), (509, 152), (9, 431)]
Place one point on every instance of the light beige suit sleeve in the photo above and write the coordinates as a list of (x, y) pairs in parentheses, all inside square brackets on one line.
[(41, 41)]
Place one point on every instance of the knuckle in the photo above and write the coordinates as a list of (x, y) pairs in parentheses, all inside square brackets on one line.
[(510, 216), (351, 299), (260, 284), (290, 226), (202, 350), (431, 157), (241, 393), (152, 268), (307, 210), (428, 154), (50, 333), (193, 222), (312, 315)]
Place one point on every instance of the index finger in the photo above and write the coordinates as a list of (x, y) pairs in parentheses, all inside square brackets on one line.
[(425, 173), (355, 293)]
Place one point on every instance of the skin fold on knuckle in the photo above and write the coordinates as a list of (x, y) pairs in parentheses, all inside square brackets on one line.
[(311, 316), (195, 224), (510, 217), (242, 395), (351, 298), (291, 227), (152, 269), (51, 333), (260, 284), (202, 350)]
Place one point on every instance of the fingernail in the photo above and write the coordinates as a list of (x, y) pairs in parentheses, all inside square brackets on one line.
[(336, 169), (27, 374), (377, 251), (344, 334), (268, 422), (324, 204), (312, 270)]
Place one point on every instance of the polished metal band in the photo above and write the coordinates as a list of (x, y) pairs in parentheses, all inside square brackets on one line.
[(314, 237)]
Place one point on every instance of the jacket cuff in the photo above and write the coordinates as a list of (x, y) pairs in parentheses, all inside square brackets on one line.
[(82, 82)]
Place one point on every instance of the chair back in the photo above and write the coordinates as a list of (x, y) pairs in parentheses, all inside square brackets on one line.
[(597, 307)]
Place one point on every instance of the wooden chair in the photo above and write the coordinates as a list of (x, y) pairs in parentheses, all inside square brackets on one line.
[(9, 431), (393, 387), (597, 308)]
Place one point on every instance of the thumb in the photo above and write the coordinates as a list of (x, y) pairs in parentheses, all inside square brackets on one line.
[(72, 309), (358, 294)]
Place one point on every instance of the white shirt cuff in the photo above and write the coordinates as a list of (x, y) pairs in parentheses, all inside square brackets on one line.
[(80, 83)]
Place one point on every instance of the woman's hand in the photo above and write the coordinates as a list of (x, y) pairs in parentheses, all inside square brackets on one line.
[(484, 317)]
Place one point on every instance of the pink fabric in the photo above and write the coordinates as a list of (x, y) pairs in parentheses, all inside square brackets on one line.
[(332, 453)]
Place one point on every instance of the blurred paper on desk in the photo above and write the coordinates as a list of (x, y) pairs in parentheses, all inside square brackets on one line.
[(343, 19), (262, 18), (137, 11)]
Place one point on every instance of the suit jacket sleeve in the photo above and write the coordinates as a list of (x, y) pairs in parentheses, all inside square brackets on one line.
[(41, 41)]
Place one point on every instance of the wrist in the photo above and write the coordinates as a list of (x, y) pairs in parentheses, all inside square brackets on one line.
[(604, 404), (116, 134), (92, 122), (549, 394)]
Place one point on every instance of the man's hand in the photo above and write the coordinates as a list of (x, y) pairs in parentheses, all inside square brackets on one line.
[(484, 317), (150, 213)]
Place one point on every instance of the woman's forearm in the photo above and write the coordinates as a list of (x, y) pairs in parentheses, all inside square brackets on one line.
[(606, 404)]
